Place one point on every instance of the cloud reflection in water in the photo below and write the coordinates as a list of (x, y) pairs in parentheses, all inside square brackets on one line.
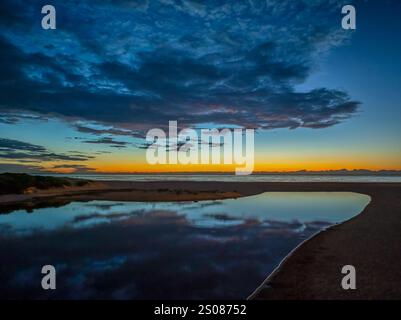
[(128, 250)]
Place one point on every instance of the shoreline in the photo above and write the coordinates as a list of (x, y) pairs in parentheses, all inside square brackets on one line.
[(159, 191), (265, 284), (257, 294), (369, 241), (115, 191)]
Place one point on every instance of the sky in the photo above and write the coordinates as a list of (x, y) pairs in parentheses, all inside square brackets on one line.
[(82, 97)]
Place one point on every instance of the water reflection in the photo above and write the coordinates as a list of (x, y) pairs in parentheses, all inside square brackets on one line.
[(137, 250)]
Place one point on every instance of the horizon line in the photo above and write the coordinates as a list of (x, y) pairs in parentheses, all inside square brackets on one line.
[(304, 171)]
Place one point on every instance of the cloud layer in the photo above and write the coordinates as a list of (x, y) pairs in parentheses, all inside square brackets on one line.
[(22, 151), (139, 64)]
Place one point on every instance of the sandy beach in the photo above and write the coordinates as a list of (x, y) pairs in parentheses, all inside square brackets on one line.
[(312, 271)]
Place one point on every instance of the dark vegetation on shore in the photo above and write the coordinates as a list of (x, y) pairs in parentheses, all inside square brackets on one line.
[(18, 182)]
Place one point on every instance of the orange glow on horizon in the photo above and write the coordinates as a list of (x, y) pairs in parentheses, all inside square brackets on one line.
[(274, 163), (145, 168)]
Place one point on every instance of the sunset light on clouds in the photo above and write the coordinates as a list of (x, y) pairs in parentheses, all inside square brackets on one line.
[(82, 97)]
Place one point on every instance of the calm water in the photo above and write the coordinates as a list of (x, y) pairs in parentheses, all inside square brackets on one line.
[(234, 178), (141, 250)]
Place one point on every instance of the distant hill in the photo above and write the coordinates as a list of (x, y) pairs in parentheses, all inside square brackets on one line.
[(345, 172)]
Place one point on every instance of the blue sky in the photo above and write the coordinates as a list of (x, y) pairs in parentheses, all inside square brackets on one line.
[(319, 96)]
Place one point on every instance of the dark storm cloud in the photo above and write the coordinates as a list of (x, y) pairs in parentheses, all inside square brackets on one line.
[(18, 150), (19, 168), (111, 131), (13, 118), (144, 63), (8, 120), (109, 141), (15, 145)]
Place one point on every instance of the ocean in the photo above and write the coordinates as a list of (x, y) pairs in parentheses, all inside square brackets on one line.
[(234, 178)]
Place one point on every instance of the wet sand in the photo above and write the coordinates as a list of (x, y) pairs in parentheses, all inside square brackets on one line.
[(370, 241)]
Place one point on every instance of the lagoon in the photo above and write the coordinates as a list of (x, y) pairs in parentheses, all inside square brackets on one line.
[(219, 249)]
